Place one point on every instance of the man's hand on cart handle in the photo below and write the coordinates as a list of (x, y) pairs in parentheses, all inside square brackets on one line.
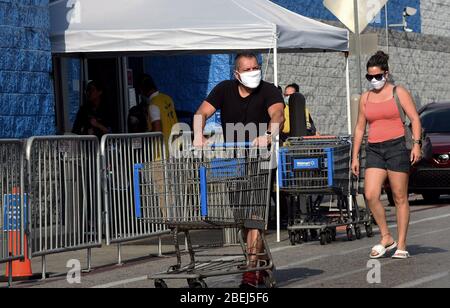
[(200, 142), (262, 141), (355, 167)]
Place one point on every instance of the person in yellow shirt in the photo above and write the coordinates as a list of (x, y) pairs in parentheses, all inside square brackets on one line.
[(161, 109), (310, 127)]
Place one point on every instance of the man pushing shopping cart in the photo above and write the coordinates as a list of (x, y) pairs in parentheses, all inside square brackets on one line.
[(251, 110)]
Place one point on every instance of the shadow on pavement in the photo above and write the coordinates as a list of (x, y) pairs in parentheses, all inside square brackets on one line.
[(415, 250), (443, 201), (285, 277)]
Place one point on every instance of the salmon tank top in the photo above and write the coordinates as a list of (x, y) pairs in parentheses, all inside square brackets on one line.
[(384, 121)]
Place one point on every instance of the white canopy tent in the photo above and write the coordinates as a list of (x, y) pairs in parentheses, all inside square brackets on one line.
[(89, 26), (196, 26)]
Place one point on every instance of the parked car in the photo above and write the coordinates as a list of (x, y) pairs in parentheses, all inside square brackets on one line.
[(431, 178)]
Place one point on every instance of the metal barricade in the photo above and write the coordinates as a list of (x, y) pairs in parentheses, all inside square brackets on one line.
[(119, 155), (64, 194), (12, 202)]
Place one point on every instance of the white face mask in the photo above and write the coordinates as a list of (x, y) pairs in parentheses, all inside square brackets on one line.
[(286, 99), (251, 79), (378, 85)]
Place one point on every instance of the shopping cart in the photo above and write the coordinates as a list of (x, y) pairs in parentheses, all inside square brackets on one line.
[(224, 186), (320, 166)]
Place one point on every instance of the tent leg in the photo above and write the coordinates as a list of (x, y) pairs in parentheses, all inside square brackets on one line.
[(278, 194), (275, 66), (349, 102), (275, 81)]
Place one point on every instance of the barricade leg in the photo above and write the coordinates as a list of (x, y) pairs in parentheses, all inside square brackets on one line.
[(119, 255), (44, 268), (160, 247), (89, 259), (10, 276), (186, 244)]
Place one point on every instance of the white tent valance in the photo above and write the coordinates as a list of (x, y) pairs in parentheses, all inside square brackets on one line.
[(98, 26)]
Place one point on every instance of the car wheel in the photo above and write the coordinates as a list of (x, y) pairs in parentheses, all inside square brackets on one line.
[(431, 197)]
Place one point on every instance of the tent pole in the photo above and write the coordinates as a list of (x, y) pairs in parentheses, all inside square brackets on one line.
[(275, 81), (275, 66), (349, 102), (349, 109)]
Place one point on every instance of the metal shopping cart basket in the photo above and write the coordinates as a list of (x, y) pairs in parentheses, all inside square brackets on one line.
[(229, 189), (320, 166)]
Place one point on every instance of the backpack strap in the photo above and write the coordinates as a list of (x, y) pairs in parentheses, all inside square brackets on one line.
[(399, 106)]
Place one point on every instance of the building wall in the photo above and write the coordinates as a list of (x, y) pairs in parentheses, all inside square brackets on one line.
[(436, 17), (419, 61), (26, 91)]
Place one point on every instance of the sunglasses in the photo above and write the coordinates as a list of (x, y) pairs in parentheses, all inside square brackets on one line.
[(378, 77)]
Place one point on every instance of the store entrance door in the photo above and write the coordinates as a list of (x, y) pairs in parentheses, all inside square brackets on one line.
[(107, 71)]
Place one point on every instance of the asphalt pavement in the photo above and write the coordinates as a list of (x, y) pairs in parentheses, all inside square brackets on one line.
[(342, 264)]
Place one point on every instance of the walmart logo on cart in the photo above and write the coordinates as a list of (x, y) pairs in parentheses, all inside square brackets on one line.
[(306, 164)]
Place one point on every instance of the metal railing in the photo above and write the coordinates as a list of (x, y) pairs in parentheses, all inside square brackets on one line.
[(64, 194), (12, 201), (56, 189), (120, 153)]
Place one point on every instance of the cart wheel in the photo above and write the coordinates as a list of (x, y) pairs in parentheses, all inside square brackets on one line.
[(314, 234), (299, 237), (323, 238), (269, 280), (358, 232), (197, 284), (333, 234), (369, 230), (329, 236), (160, 284), (305, 236), (292, 238), (350, 235)]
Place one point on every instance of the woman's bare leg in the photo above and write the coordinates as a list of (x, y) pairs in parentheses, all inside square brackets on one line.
[(399, 186), (374, 180)]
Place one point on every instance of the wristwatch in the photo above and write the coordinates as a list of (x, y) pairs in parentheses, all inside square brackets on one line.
[(268, 133), (419, 142)]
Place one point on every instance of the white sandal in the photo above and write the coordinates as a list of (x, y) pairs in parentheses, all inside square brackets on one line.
[(401, 255), (382, 250)]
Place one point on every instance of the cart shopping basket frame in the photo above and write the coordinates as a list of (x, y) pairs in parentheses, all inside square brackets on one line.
[(321, 165), (229, 188)]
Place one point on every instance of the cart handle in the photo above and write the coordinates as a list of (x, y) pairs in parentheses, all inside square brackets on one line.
[(232, 145)]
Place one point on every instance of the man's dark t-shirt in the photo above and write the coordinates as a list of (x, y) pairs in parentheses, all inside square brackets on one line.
[(236, 109)]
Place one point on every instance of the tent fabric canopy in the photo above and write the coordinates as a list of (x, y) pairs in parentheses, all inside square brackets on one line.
[(99, 26)]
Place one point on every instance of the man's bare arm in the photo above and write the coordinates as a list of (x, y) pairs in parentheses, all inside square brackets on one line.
[(277, 119), (203, 113)]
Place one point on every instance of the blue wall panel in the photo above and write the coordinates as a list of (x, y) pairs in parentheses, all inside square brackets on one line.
[(26, 89), (189, 79)]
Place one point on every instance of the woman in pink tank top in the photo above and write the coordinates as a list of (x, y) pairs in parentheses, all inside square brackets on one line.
[(387, 155)]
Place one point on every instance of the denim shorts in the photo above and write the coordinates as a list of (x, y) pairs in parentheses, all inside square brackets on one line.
[(390, 155)]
